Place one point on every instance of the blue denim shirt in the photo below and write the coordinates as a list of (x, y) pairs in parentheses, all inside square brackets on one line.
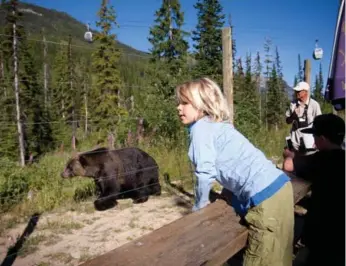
[(220, 152)]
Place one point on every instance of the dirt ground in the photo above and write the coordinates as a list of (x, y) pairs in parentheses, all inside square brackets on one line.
[(72, 237)]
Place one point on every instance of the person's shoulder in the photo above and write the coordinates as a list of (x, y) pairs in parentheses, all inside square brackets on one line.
[(208, 123), (207, 127), (330, 156), (293, 103), (202, 127), (333, 153), (314, 102)]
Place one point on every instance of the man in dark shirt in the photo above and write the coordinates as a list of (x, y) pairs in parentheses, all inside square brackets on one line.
[(325, 221)]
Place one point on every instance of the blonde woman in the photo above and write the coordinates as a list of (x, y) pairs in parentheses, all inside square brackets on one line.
[(261, 193)]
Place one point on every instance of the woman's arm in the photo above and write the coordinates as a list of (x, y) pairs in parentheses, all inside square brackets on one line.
[(203, 155)]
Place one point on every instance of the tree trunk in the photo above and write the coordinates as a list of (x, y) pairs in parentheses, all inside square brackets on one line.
[(2, 75), (16, 91), (45, 73), (86, 108)]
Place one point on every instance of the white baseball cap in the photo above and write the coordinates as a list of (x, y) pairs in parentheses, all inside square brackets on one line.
[(302, 86)]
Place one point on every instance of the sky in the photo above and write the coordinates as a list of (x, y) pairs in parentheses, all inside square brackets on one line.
[(293, 26)]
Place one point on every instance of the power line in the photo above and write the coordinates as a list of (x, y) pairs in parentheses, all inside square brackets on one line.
[(67, 82), (74, 45), (58, 122)]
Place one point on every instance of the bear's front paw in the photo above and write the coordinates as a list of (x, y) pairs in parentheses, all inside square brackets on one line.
[(102, 205)]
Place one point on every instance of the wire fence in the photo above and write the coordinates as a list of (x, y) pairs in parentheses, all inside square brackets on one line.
[(89, 47), (132, 178)]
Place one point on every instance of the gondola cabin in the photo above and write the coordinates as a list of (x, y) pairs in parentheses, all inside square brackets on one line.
[(88, 36), (318, 53)]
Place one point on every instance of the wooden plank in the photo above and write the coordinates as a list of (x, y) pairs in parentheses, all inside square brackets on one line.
[(191, 240), (207, 237)]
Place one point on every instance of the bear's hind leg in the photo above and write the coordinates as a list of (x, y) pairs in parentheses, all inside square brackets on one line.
[(106, 201), (140, 196)]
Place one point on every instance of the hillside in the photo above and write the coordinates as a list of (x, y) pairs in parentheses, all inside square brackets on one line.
[(57, 26)]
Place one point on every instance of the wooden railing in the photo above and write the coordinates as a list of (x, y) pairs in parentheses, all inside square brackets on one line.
[(207, 237)]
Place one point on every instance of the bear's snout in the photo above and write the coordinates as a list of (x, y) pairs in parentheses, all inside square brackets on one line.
[(65, 174)]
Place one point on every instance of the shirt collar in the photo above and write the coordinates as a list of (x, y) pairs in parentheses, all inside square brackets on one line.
[(190, 126)]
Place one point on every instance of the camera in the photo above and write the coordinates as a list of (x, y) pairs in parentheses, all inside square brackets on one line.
[(289, 143)]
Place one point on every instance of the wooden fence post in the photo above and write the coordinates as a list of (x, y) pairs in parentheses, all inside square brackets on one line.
[(307, 71), (227, 69)]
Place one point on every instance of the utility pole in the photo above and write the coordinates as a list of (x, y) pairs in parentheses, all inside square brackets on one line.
[(227, 69)]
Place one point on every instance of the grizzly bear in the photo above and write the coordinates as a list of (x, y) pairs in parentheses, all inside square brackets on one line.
[(118, 174)]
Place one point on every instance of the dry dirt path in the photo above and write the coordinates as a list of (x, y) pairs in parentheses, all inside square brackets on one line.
[(71, 237)]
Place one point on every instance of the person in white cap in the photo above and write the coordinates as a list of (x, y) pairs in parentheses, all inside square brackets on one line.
[(301, 114)]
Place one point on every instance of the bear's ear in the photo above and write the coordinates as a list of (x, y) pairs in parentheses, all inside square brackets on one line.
[(83, 161)]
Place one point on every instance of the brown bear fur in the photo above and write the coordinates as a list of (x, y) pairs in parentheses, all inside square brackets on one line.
[(118, 174)]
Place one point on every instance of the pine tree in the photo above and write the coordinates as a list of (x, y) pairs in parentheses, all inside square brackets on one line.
[(208, 38), (273, 113), (60, 83), (3, 81), (268, 57), (238, 87), (318, 94), (73, 91), (169, 48), (59, 96), (13, 31), (168, 67), (38, 131), (326, 107), (85, 74), (258, 70), (106, 109), (267, 72), (283, 100), (167, 36), (250, 101)]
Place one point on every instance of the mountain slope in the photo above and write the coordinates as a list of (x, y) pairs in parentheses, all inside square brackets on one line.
[(288, 89), (57, 26)]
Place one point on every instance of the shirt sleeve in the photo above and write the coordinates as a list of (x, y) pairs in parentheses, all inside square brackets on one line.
[(202, 153), (318, 110), (289, 111)]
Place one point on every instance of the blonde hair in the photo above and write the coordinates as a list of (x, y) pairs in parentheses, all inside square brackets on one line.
[(206, 96)]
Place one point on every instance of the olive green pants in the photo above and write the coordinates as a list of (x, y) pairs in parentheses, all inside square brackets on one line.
[(271, 230)]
